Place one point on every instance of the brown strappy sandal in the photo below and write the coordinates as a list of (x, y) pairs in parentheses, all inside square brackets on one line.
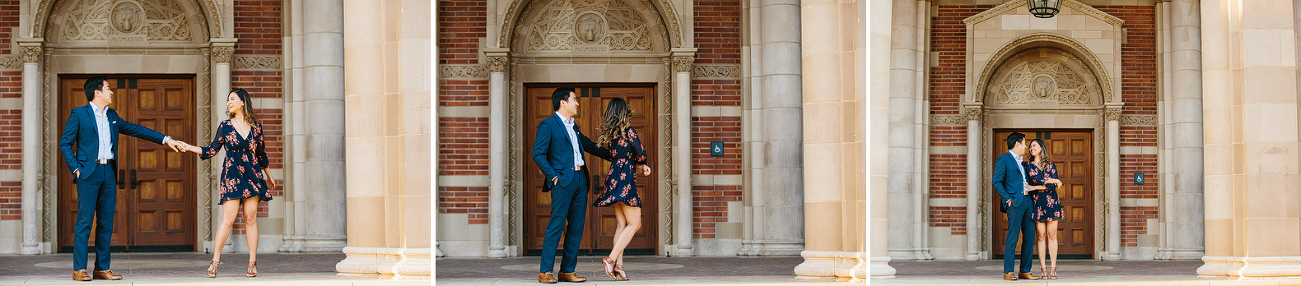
[(252, 269), (608, 264), (212, 268), (623, 276), (1054, 276)]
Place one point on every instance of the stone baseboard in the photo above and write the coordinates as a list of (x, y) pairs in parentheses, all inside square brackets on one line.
[(386, 263), (833, 266), (1250, 267)]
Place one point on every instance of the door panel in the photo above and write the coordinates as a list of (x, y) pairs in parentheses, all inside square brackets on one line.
[(156, 191), (600, 222), (1072, 151)]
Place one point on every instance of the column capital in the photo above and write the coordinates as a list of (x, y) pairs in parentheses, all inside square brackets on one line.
[(683, 59), (223, 49), (498, 58), (973, 112), (30, 49), (1112, 112)]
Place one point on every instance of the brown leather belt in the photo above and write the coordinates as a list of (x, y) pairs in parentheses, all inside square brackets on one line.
[(103, 161), (578, 168)]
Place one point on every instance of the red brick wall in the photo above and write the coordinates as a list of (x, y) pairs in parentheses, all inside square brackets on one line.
[(258, 28), (10, 119), (1138, 77), (718, 41), (948, 178), (462, 141)]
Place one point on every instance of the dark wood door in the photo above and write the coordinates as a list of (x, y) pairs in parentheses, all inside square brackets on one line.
[(1072, 151), (156, 188), (598, 234)]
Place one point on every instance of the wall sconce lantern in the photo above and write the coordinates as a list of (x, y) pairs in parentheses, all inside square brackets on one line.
[(1043, 8)]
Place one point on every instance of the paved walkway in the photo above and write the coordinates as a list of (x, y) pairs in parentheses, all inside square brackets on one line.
[(187, 269), (644, 270), (1069, 272)]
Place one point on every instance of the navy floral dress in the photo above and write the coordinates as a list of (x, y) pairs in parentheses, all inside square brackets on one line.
[(621, 185), (1046, 205), (246, 157)]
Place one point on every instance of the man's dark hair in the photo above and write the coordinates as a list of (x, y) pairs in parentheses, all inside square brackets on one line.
[(561, 94), (1013, 139), (93, 84)]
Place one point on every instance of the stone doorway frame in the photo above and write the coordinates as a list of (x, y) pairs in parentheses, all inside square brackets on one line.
[(208, 59), (1102, 118)]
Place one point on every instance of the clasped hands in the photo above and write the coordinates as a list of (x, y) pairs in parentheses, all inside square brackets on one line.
[(1028, 188), (181, 146)]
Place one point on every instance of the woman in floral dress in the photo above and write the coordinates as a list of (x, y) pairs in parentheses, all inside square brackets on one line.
[(1041, 174), (624, 150), (244, 177)]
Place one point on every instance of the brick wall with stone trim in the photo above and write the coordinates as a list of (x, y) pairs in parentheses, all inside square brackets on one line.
[(948, 172), (11, 84), (462, 141), (1138, 89), (259, 32), (717, 39)]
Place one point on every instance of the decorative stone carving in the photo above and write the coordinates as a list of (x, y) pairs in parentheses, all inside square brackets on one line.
[(1111, 113), (497, 64), (1138, 120), (463, 71), (209, 10), (589, 26), (716, 71), (10, 63), (256, 62), (948, 120), (683, 64), (222, 54), (31, 54), (1043, 77), (973, 113), (128, 21), (1090, 63)]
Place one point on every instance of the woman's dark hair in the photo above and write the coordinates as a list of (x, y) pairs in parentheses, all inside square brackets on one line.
[(615, 121), (1013, 139), (561, 94), (93, 84), (248, 106), (1043, 153)]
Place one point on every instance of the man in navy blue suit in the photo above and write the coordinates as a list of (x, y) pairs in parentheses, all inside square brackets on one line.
[(558, 151), (1009, 181), (92, 131)]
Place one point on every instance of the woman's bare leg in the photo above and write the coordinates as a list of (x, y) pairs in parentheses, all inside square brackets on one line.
[(229, 210), (250, 226), (633, 215), (621, 223), (1052, 242), (1040, 242)]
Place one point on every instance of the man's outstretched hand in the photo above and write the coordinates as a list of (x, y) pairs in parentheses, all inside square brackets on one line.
[(177, 145)]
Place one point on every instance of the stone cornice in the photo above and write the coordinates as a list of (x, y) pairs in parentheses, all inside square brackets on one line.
[(1074, 5)]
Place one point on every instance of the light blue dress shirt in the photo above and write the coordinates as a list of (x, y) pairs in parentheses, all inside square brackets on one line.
[(573, 139)]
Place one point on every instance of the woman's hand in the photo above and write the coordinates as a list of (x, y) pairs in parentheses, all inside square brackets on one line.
[(645, 170), (271, 182), (1055, 182)]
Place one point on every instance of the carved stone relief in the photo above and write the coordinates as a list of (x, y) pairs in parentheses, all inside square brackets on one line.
[(1043, 77), (463, 71), (589, 26), (715, 71), (256, 62), (128, 21)]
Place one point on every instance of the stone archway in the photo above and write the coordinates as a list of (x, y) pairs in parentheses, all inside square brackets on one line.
[(159, 37), (1046, 81), (593, 41)]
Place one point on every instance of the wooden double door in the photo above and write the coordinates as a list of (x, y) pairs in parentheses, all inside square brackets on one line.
[(598, 233), (156, 191), (1072, 152)]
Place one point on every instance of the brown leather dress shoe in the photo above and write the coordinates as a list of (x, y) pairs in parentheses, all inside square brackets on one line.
[(545, 277), (1028, 276), (80, 275), (1009, 276), (107, 274), (571, 277)]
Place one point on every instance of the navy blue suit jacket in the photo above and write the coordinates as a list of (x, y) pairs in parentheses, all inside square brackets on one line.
[(81, 133), (553, 153), (1008, 181)]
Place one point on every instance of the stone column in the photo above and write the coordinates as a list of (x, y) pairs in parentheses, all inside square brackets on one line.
[(1185, 226), (386, 65), (296, 134), (1112, 115), (974, 182), (783, 207), (752, 123), (834, 97), (904, 242), (32, 142), (1253, 216), (878, 114), (497, 59), (682, 61), (323, 201)]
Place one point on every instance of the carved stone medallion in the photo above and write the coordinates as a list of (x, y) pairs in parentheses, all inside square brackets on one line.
[(589, 28), (126, 17), (1043, 77)]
